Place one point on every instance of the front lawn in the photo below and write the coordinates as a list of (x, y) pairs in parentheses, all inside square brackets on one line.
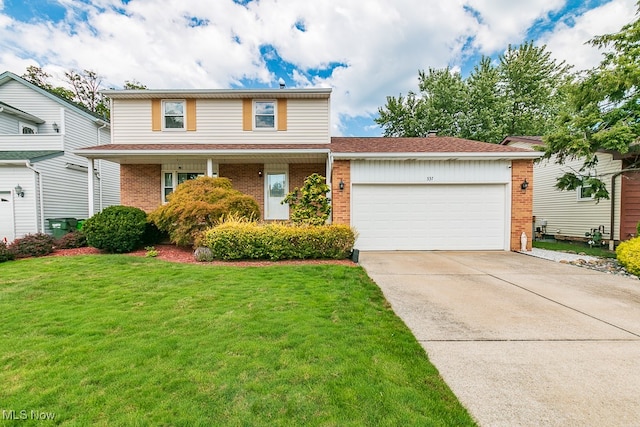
[(122, 340)]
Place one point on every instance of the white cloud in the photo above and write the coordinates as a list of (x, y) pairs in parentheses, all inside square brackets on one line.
[(569, 43), (382, 43)]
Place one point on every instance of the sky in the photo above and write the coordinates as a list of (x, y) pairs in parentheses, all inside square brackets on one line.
[(365, 50)]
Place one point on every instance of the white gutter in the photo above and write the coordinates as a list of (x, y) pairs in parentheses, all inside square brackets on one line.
[(165, 152), (40, 191), (439, 156)]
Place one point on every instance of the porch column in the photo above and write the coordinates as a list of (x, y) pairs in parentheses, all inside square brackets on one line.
[(90, 184), (209, 167)]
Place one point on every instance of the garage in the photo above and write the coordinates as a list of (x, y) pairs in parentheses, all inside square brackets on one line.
[(431, 205), (430, 216), (6, 216)]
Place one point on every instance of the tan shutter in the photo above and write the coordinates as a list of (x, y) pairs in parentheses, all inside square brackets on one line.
[(156, 114), (191, 114), (247, 114), (282, 114)]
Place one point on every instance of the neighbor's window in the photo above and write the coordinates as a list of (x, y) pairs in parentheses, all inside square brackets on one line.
[(173, 179), (265, 114), (173, 114), (584, 193), (27, 129)]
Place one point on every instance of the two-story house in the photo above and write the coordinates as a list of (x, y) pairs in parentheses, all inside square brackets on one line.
[(398, 193), (40, 176)]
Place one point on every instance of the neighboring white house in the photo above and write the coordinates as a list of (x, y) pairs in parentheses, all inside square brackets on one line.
[(40, 177), (569, 214)]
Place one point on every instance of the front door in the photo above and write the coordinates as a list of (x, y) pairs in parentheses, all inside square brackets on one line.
[(6, 216), (276, 188)]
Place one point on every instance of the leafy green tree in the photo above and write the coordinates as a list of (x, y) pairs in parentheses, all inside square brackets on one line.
[(310, 204), (86, 88), (603, 113), (133, 85), (518, 96)]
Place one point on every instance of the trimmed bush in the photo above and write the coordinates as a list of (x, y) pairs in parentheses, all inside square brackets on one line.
[(247, 240), (199, 204), (628, 254), (117, 229), (5, 253), (310, 204), (75, 239), (38, 244)]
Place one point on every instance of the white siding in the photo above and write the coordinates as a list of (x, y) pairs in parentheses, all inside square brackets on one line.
[(220, 122), (23, 98), (26, 218), (430, 172), (8, 124), (564, 213)]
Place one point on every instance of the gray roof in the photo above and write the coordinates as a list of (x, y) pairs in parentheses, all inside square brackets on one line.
[(32, 156)]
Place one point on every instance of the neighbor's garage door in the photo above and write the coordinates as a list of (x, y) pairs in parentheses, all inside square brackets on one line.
[(429, 217)]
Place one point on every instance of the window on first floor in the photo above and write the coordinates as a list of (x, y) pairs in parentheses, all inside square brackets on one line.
[(172, 179)]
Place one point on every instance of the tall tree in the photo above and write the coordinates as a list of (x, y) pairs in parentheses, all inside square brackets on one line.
[(86, 89), (603, 113), (518, 96)]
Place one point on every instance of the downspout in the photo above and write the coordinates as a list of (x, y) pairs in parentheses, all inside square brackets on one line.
[(40, 195), (104, 125)]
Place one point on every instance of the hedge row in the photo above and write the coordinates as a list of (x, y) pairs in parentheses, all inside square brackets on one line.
[(250, 240)]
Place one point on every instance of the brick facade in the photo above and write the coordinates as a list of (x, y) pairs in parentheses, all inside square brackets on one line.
[(140, 186), (521, 203), (341, 199), (246, 179)]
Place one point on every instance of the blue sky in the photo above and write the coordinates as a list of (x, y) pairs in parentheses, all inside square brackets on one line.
[(364, 50)]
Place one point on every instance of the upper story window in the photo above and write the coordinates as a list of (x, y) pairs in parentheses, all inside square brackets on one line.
[(173, 114), (27, 129), (265, 115)]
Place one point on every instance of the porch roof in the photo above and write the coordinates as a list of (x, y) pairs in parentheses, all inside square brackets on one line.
[(221, 153)]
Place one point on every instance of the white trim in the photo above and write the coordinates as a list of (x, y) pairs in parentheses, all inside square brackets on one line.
[(438, 156), (579, 197), (275, 169)]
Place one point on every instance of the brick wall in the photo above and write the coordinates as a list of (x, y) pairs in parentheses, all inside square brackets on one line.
[(140, 186), (246, 179), (341, 213), (521, 202)]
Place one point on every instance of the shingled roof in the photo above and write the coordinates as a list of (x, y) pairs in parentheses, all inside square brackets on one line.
[(434, 144)]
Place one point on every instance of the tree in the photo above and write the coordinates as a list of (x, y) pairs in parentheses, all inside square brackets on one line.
[(39, 77), (310, 204), (603, 113), (86, 88), (133, 85), (518, 96)]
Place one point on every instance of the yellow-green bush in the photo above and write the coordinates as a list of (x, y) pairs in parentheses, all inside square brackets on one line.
[(628, 254), (275, 241)]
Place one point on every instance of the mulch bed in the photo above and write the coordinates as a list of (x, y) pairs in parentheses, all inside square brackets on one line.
[(184, 255)]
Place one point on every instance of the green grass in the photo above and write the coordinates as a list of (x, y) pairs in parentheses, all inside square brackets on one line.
[(121, 340), (575, 247)]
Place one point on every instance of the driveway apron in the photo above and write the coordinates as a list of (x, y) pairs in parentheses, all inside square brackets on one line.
[(521, 341)]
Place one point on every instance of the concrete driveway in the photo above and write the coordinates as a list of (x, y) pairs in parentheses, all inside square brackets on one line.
[(521, 341)]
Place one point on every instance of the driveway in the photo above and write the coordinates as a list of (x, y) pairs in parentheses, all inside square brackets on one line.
[(520, 340)]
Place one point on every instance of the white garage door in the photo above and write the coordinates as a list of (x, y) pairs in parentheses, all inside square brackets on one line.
[(429, 217), (6, 216)]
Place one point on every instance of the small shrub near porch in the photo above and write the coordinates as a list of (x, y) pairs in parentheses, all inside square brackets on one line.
[(235, 240), (628, 253)]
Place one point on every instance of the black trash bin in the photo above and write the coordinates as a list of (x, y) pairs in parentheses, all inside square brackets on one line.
[(62, 226)]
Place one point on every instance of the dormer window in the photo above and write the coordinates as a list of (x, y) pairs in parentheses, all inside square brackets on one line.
[(27, 129), (265, 114), (173, 114)]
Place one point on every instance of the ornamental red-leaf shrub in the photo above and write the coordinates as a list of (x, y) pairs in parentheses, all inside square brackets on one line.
[(199, 204), (75, 239), (38, 244), (5, 253)]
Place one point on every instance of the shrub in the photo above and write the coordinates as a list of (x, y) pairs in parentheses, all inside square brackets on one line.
[(310, 204), (628, 254), (116, 229), (38, 244), (274, 241), (199, 204), (75, 239), (5, 253)]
